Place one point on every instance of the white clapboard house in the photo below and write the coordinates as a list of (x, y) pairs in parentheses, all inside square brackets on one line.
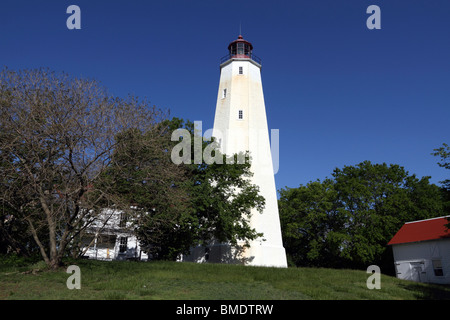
[(110, 237), (422, 251)]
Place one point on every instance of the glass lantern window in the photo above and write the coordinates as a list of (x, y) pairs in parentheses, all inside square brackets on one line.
[(247, 50), (240, 48)]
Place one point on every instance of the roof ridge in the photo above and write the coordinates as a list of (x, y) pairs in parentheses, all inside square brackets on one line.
[(428, 219)]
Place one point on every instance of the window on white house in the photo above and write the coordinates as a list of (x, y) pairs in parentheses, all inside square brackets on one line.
[(123, 244), (241, 70), (224, 93), (241, 114), (123, 220), (437, 267)]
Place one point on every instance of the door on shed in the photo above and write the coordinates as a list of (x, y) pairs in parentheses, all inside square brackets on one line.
[(408, 270), (416, 271), (403, 270)]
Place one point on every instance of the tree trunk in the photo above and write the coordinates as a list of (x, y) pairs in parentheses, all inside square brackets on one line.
[(38, 242)]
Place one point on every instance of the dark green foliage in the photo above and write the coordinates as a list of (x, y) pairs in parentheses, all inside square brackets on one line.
[(180, 206), (222, 197), (347, 221), (444, 153)]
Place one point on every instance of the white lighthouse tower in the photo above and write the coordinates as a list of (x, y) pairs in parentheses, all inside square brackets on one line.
[(240, 125)]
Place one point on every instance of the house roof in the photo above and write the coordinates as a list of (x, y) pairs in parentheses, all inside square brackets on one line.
[(422, 230)]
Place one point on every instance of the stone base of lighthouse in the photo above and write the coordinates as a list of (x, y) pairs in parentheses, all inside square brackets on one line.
[(258, 254)]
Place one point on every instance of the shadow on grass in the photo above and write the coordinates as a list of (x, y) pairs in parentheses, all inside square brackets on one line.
[(428, 292)]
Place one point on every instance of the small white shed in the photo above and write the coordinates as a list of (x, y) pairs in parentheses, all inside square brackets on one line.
[(422, 251)]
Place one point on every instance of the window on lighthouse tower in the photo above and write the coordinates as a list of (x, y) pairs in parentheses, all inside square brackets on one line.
[(241, 114)]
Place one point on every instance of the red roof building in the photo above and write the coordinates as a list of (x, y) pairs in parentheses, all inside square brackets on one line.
[(421, 251), (423, 230)]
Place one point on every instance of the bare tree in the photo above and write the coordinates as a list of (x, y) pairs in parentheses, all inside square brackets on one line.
[(57, 136)]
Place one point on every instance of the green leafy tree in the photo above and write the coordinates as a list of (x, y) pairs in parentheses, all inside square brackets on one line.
[(351, 218), (181, 205), (377, 200), (142, 173), (222, 197), (444, 154), (306, 215)]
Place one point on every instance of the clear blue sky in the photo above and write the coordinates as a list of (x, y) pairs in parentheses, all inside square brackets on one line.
[(338, 92)]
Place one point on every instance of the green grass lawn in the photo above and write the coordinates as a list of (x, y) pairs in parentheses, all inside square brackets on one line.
[(183, 281)]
